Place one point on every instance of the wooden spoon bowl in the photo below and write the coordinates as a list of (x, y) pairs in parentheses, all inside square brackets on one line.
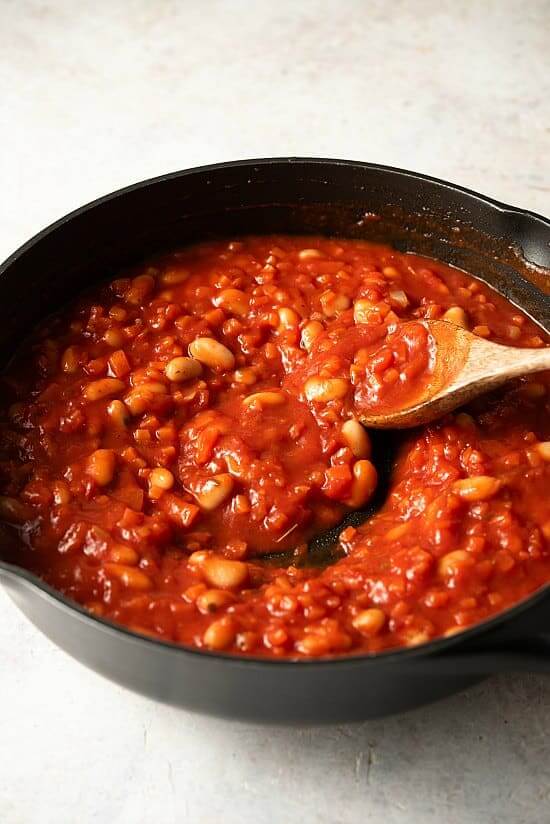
[(463, 367)]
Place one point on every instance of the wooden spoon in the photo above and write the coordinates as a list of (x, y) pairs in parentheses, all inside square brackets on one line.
[(463, 367)]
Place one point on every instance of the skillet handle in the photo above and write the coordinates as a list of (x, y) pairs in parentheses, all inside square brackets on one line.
[(529, 655), (521, 643)]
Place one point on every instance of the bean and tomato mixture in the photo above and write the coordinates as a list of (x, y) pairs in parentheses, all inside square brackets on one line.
[(167, 431)]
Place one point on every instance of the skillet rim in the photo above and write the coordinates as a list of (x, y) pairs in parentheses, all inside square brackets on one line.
[(500, 205), (430, 649)]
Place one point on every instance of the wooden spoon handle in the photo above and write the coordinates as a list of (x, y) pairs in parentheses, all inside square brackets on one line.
[(490, 364)]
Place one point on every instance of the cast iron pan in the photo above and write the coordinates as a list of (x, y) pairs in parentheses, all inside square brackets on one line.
[(507, 247)]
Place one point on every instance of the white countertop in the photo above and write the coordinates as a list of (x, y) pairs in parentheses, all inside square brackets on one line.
[(95, 95)]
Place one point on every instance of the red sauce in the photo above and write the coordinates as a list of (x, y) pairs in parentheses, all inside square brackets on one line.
[(168, 430)]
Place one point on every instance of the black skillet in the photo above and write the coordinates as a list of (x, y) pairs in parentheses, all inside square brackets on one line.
[(507, 247)]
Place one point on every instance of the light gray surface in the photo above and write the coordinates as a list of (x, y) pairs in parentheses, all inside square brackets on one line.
[(95, 95)]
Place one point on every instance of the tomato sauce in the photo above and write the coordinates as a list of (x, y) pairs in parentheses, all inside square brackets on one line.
[(171, 428)]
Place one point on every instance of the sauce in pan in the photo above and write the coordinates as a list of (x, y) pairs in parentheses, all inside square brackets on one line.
[(175, 425)]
